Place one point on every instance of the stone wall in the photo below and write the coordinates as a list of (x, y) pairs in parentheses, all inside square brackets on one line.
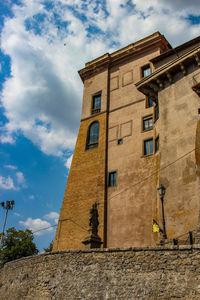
[(172, 272)]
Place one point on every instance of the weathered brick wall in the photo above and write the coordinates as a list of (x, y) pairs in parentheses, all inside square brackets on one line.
[(138, 273), (85, 186)]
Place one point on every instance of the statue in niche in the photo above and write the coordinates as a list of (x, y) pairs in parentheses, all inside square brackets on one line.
[(94, 220), (93, 240)]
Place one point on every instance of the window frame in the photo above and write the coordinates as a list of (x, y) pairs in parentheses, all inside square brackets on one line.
[(157, 144), (144, 148), (156, 111), (92, 145), (147, 102), (109, 179), (93, 109), (120, 141), (145, 67), (147, 118)]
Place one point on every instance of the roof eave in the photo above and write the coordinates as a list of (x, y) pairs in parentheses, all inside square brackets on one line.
[(153, 83)]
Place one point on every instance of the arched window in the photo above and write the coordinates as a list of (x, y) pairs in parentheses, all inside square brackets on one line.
[(93, 135)]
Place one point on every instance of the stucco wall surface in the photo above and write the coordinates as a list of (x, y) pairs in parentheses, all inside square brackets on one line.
[(138, 273)]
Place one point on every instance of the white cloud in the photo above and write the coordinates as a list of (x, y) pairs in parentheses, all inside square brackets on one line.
[(7, 183), (20, 179), (16, 214), (6, 138), (192, 5), (45, 106), (52, 216), (11, 167), (68, 162), (36, 225)]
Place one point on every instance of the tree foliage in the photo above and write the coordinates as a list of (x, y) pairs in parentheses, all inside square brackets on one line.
[(49, 249), (17, 244)]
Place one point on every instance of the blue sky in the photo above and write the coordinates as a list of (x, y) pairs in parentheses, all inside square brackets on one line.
[(42, 46)]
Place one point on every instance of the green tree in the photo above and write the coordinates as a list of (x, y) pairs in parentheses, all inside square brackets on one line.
[(49, 249), (17, 244)]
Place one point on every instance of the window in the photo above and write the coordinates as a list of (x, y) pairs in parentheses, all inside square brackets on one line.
[(112, 178), (157, 144), (120, 142), (93, 135), (146, 71), (96, 104), (149, 102), (147, 123), (148, 147), (156, 111)]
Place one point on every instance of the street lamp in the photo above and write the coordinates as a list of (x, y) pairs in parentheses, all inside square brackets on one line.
[(8, 206), (161, 191)]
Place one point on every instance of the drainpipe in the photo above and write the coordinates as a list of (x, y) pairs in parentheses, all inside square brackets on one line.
[(106, 159)]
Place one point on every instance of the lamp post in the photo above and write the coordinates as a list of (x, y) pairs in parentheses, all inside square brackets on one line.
[(161, 191), (8, 206)]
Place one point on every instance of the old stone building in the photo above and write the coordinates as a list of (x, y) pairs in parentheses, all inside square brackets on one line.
[(139, 129)]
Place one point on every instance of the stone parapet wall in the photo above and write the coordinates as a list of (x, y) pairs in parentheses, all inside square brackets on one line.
[(171, 272)]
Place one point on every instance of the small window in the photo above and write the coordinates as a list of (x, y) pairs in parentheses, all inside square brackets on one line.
[(147, 123), (96, 104), (146, 71), (120, 142), (156, 111), (157, 144), (93, 135), (148, 147), (112, 178), (149, 102)]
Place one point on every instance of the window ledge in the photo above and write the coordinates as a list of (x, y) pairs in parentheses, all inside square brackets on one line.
[(147, 155), (146, 130), (91, 146), (155, 120), (95, 111)]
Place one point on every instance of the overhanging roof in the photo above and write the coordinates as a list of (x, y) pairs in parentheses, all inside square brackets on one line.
[(175, 50), (151, 84)]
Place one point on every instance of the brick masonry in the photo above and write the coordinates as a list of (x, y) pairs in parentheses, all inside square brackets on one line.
[(85, 186), (116, 274)]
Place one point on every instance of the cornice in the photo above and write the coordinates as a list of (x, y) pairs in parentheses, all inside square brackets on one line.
[(175, 50), (133, 50), (155, 82)]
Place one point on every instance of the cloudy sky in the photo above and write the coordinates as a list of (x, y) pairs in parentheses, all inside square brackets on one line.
[(42, 46)]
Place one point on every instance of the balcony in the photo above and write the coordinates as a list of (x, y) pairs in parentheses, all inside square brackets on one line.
[(96, 110)]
